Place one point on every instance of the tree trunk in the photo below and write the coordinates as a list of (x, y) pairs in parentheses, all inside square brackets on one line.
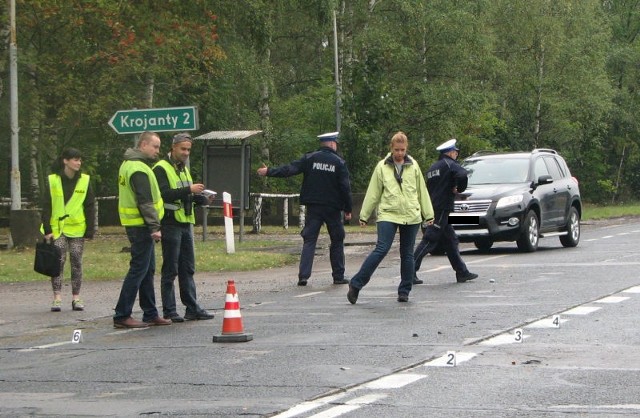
[(619, 175), (265, 98), (536, 128)]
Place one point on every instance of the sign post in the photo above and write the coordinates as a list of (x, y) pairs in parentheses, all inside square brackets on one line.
[(136, 121)]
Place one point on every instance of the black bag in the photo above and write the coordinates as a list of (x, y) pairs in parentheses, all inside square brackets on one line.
[(47, 260)]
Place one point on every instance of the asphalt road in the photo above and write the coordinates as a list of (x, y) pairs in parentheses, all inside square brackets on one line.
[(314, 354)]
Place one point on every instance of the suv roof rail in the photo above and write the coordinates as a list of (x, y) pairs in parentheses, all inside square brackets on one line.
[(549, 150), (482, 152)]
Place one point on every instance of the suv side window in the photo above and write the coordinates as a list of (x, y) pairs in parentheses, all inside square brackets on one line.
[(539, 169), (554, 170), (564, 169)]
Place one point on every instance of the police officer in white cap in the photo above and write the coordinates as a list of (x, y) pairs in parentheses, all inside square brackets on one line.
[(326, 192), (445, 178)]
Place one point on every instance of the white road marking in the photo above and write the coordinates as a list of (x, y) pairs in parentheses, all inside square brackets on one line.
[(581, 310), (40, 347), (545, 323), (308, 406), (596, 408), (351, 405), (394, 381), (442, 361), (336, 411), (306, 295), (482, 260), (502, 339), (612, 299), (607, 236), (634, 289), (447, 266)]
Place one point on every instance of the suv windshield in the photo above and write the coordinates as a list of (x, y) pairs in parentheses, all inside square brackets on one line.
[(497, 170)]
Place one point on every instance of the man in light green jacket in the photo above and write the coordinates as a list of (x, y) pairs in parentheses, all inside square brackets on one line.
[(399, 194)]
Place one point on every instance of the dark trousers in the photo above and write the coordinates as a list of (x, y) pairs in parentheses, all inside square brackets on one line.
[(178, 259), (316, 216), (139, 278), (440, 232)]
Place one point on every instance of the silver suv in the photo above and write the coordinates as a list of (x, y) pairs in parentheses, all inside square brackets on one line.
[(518, 196)]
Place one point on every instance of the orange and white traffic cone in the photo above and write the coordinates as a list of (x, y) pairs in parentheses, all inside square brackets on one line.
[(232, 329)]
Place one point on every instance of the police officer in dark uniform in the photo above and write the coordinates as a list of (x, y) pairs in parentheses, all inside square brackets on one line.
[(445, 178), (326, 191)]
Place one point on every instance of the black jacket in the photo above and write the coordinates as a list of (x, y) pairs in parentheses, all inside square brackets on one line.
[(170, 194), (442, 177), (326, 179)]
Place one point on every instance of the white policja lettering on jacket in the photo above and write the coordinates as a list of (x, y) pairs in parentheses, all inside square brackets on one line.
[(324, 167)]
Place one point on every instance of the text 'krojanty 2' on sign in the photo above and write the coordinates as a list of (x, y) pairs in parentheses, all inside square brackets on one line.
[(157, 120)]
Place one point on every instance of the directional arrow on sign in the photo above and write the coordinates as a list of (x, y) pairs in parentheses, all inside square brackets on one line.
[(156, 120)]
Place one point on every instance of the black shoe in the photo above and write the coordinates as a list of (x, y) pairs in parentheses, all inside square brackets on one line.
[(340, 281), (352, 295), (302, 282), (417, 281), (403, 298), (200, 316), (463, 277), (174, 318)]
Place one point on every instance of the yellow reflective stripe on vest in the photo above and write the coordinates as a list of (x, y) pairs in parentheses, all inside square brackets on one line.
[(176, 181), (68, 219), (127, 204)]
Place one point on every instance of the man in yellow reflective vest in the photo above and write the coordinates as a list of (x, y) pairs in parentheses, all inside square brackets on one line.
[(140, 208), (180, 195)]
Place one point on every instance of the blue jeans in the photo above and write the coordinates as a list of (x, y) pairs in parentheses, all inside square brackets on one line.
[(178, 259), (139, 278), (316, 216), (386, 234)]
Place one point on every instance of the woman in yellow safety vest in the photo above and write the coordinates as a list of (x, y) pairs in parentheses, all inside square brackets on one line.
[(68, 216)]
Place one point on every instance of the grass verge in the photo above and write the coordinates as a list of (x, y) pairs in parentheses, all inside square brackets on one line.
[(107, 257)]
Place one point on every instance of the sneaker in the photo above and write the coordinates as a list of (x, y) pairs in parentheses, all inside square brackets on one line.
[(352, 295), (417, 281), (340, 281), (403, 298), (302, 282), (77, 305), (463, 277), (56, 306)]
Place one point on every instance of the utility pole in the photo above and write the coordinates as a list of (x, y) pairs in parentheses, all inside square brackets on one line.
[(337, 72), (16, 194), (24, 225)]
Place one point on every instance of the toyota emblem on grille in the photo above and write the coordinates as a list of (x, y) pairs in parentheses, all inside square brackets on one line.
[(464, 207)]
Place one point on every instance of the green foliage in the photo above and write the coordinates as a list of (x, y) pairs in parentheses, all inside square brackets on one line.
[(496, 74)]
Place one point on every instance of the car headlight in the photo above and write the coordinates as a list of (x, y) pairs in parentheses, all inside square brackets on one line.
[(509, 201)]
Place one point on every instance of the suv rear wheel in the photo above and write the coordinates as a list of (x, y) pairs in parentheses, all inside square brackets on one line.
[(573, 229), (528, 241)]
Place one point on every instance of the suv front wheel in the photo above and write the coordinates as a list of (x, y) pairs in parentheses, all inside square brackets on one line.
[(573, 229), (528, 241)]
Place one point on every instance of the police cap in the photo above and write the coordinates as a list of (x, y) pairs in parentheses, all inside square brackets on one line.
[(330, 136), (450, 145)]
